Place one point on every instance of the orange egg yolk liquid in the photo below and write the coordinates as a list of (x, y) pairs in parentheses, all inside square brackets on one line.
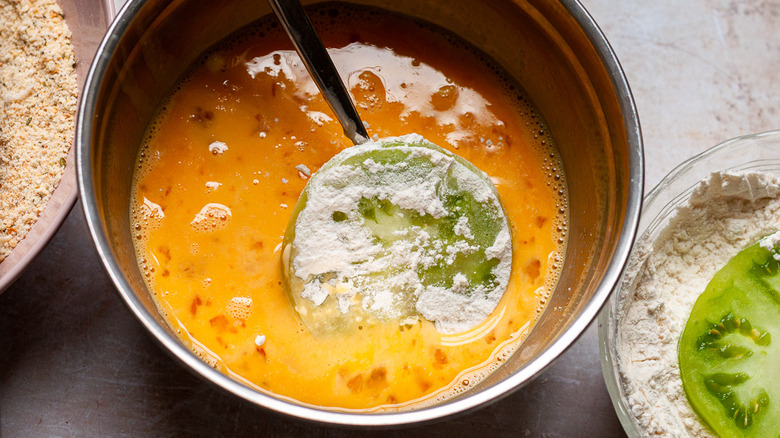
[(223, 165)]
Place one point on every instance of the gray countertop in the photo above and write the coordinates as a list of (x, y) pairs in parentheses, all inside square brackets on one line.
[(74, 362)]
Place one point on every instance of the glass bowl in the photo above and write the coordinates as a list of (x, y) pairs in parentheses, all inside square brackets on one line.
[(756, 153)]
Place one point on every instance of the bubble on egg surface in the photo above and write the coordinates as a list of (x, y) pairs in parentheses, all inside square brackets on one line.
[(218, 148), (239, 308), (444, 98), (151, 214), (368, 89), (211, 217)]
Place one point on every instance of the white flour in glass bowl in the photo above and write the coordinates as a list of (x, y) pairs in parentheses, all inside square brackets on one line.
[(725, 213)]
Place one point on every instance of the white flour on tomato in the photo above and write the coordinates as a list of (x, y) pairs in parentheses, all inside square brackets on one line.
[(337, 254), (725, 214)]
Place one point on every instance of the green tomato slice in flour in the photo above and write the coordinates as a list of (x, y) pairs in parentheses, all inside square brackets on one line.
[(729, 352), (397, 230)]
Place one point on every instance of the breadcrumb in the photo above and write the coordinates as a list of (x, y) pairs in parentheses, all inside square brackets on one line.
[(38, 96)]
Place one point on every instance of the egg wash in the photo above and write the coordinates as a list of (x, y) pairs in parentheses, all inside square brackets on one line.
[(226, 158)]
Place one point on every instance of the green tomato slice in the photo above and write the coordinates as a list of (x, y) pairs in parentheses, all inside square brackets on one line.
[(729, 360), (397, 230)]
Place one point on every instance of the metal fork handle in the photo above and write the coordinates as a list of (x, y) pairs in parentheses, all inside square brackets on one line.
[(320, 66)]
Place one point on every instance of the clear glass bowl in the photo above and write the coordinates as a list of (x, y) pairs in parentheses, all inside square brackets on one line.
[(758, 153)]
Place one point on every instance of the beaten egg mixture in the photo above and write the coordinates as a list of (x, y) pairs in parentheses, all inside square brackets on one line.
[(234, 145)]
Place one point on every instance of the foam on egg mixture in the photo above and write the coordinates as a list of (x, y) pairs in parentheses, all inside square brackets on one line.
[(223, 165)]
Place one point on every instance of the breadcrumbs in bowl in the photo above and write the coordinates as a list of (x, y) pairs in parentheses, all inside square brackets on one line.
[(38, 97)]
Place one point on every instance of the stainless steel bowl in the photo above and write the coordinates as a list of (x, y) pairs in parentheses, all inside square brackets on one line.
[(554, 50)]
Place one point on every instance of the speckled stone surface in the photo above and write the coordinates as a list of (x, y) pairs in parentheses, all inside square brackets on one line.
[(74, 362), (701, 71)]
